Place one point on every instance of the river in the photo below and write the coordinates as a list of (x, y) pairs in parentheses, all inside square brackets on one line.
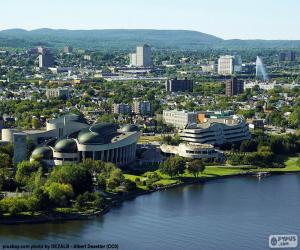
[(234, 213)]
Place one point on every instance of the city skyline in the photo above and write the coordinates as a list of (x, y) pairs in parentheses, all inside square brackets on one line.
[(227, 20)]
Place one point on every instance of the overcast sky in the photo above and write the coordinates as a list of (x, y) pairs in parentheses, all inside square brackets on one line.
[(245, 19)]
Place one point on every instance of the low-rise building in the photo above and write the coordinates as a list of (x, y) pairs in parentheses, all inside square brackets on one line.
[(102, 142), (193, 151), (217, 131), (58, 93)]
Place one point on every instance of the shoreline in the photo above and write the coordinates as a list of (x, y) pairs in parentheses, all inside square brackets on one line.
[(60, 217)]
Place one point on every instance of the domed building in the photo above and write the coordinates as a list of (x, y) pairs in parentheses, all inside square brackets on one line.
[(44, 154), (103, 142)]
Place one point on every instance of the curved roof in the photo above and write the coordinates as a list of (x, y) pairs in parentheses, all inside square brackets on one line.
[(130, 128), (43, 152), (66, 146), (69, 117), (101, 133)]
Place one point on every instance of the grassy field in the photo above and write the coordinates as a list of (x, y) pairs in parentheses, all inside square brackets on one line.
[(292, 164), (147, 139)]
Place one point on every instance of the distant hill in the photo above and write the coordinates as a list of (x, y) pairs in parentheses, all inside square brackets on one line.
[(124, 39)]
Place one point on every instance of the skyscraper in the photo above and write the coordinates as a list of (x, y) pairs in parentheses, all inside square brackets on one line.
[(225, 65), (291, 56), (46, 60), (142, 57), (234, 87)]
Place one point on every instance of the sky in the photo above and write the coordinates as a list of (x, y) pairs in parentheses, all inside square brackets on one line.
[(228, 19)]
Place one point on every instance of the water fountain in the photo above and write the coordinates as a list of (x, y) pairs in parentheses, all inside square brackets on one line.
[(261, 72)]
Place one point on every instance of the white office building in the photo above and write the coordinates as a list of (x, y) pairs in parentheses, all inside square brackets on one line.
[(142, 57), (228, 65), (193, 151), (217, 131), (179, 118)]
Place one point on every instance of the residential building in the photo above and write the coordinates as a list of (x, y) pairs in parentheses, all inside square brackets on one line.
[(234, 87), (179, 118), (175, 85), (141, 107), (58, 93), (87, 57), (121, 108)]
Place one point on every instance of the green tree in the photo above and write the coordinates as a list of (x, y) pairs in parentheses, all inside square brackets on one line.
[(76, 175), (60, 194), (25, 174), (5, 160), (173, 166), (195, 167)]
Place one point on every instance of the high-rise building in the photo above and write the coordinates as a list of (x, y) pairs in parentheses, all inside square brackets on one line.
[(121, 108), (227, 65), (291, 56), (287, 56), (142, 57), (281, 56), (46, 60), (175, 85), (68, 49), (234, 87), (42, 50), (132, 58), (141, 107)]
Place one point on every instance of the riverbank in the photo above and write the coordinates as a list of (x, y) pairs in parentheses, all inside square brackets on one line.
[(212, 173)]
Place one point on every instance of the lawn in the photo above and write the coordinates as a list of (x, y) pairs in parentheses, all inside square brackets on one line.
[(145, 139), (165, 182), (132, 177), (292, 164)]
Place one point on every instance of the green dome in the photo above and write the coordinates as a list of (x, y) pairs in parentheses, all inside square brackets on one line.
[(98, 134), (43, 152), (66, 146), (130, 128)]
